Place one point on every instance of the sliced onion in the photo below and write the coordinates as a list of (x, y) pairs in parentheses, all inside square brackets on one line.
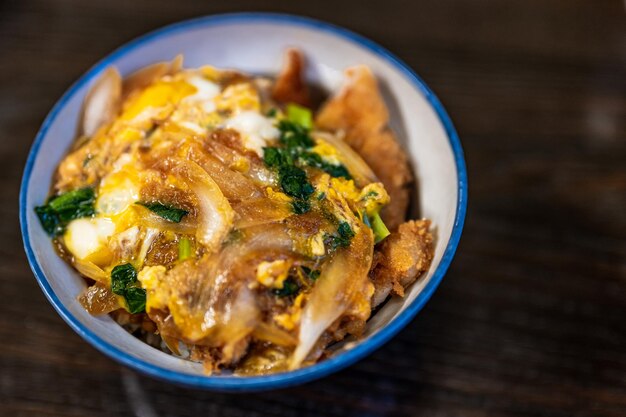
[(145, 76), (343, 287), (233, 184), (102, 103), (273, 334), (215, 215), (208, 300), (91, 270), (232, 158), (264, 239), (261, 211), (151, 220), (150, 235), (98, 299), (171, 343), (358, 168)]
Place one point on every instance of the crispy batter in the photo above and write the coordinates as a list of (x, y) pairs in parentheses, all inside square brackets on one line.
[(336, 332), (290, 86), (359, 110), (215, 359), (403, 257)]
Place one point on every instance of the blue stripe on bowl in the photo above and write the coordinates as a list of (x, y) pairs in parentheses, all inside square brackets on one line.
[(231, 383)]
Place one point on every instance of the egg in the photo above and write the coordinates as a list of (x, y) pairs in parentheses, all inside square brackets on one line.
[(255, 129), (273, 274), (206, 91), (119, 189), (327, 152), (156, 101), (316, 244), (87, 239), (238, 97)]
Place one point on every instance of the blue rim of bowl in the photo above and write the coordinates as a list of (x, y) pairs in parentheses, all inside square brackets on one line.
[(273, 381)]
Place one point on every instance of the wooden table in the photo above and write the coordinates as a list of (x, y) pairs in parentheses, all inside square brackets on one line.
[(531, 318)]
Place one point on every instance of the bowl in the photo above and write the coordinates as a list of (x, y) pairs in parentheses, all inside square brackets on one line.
[(255, 42)]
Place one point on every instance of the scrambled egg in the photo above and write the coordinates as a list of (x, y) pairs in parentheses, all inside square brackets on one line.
[(190, 101), (273, 274), (203, 205)]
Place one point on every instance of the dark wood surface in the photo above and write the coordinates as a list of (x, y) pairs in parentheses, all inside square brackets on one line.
[(531, 318)]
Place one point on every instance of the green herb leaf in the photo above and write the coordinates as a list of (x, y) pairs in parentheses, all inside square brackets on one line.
[(379, 228), (49, 220), (135, 299), (289, 288), (315, 160), (276, 157), (60, 210), (311, 273), (293, 135), (311, 159), (122, 276), (72, 200), (300, 115), (271, 112), (124, 283), (343, 237), (184, 249), (336, 171), (294, 182), (301, 206), (345, 231), (170, 213)]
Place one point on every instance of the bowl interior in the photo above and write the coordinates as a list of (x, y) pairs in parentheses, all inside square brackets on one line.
[(253, 44)]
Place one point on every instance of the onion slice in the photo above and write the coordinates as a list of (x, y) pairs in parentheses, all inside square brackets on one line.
[(342, 288), (91, 270), (360, 171), (98, 299), (142, 78), (102, 103), (215, 213)]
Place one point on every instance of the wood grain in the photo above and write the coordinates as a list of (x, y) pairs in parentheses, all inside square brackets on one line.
[(530, 319)]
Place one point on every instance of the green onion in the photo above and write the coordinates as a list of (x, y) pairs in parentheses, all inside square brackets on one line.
[(300, 115), (379, 228), (184, 249)]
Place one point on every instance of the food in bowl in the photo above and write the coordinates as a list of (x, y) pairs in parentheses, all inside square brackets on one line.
[(229, 219)]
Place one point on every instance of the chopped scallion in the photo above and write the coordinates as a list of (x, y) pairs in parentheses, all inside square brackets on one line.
[(379, 228), (184, 249), (300, 115)]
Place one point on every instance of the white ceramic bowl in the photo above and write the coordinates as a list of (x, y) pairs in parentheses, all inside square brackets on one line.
[(255, 42)]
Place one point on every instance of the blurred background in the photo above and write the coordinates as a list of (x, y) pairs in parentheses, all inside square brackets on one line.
[(531, 318)]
